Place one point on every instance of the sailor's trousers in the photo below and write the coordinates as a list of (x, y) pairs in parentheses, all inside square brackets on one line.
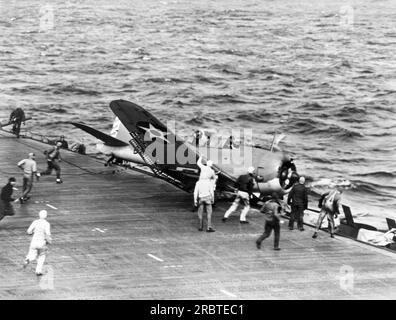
[(241, 196), (205, 203), (37, 251), (330, 218), (50, 166), (27, 185), (268, 227)]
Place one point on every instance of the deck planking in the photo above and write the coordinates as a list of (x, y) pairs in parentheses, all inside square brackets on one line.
[(131, 236)]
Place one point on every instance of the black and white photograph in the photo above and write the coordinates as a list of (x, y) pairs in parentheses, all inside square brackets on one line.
[(207, 151)]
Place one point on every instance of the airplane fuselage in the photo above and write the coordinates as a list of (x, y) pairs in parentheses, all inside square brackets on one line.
[(124, 153), (138, 137), (231, 161)]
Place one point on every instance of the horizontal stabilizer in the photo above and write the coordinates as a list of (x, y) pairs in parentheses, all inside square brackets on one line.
[(108, 140)]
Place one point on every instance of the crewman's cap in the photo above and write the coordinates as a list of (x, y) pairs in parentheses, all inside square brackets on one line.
[(301, 180), (209, 163), (31, 154), (250, 170), (12, 179), (43, 214)]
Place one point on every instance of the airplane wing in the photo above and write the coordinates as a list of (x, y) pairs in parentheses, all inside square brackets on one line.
[(146, 130), (108, 140), (134, 117)]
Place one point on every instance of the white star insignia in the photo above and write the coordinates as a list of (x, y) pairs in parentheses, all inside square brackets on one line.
[(154, 133)]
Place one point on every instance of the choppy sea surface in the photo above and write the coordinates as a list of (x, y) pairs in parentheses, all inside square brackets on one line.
[(321, 72)]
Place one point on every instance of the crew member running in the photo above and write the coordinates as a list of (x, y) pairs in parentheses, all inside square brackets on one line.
[(272, 212), (29, 168), (53, 159), (6, 198), (40, 229), (244, 186)]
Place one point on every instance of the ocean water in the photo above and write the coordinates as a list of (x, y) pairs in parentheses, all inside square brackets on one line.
[(321, 72)]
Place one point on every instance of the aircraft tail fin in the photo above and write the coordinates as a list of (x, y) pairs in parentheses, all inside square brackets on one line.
[(119, 131), (348, 215), (391, 223), (108, 140)]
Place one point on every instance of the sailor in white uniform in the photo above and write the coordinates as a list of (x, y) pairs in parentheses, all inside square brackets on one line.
[(207, 172), (40, 229)]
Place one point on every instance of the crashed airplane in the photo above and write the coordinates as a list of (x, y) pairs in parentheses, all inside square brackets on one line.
[(139, 137)]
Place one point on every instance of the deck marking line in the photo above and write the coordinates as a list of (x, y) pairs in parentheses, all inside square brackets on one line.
[(228, 293), (174, 266), (48, 205), (154, 257)]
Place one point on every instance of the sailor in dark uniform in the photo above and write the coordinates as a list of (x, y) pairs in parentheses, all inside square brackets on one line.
[(6, 198), (298, 199), (17, 117), (272, 212), (53, 159), (64, 143)]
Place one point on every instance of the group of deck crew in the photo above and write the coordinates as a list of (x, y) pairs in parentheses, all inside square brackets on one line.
[(40, 228), (204, 197), (29, 171)]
